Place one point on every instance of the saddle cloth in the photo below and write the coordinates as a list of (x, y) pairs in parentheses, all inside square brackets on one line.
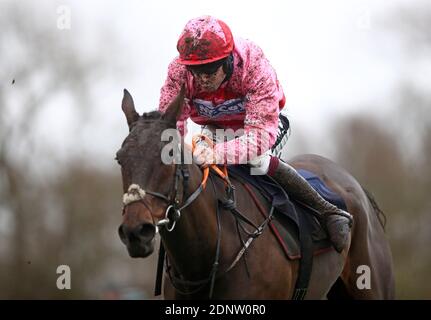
[(290, 215)]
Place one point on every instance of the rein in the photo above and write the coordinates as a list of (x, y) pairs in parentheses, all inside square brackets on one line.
[(173, 213)]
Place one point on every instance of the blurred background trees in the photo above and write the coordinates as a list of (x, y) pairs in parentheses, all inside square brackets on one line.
[(59, 206), (390, 155), (54, 211)]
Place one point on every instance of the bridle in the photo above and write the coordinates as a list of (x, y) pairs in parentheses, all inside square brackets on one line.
[(173, 213)]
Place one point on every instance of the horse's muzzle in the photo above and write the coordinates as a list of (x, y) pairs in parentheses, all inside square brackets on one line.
[(139, 239)]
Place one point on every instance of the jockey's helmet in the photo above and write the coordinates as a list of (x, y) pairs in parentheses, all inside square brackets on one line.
[(204, 40)]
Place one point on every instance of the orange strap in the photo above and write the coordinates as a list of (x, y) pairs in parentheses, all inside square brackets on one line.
[(223, 174)]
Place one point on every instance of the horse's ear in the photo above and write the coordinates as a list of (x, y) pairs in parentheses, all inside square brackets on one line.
[(128, 107), (175, 109)]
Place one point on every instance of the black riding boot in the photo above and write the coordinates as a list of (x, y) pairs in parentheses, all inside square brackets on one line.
[(338, 222)]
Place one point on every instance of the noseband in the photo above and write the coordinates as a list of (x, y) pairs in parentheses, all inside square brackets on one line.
[(173, 212)]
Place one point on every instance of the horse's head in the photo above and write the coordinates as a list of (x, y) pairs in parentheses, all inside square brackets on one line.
[(146, 178)]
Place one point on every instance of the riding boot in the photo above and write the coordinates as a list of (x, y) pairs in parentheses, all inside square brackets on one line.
[(338, 222)]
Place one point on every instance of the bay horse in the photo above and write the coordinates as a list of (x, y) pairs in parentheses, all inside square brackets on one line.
[(206, 256)]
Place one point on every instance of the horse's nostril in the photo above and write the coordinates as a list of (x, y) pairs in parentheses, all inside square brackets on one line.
[(147, 231), (144, 232), (121, 233)]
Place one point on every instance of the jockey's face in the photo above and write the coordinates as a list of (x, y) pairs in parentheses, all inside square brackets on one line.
[(210, 82)]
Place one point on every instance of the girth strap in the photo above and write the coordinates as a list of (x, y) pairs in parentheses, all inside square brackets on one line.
[(306, 262)]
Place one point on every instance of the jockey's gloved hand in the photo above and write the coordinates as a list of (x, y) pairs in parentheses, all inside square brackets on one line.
[(203, 154), (201, 142)]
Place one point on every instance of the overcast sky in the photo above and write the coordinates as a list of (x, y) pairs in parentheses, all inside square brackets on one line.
[(332, 57)]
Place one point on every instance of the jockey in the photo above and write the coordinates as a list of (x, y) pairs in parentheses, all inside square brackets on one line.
[(231, 85)]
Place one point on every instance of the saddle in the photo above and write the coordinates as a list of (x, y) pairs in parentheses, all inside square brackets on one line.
[(296, 226), (292, 217)]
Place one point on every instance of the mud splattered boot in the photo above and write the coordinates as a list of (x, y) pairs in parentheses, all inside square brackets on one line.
[(338, 222)]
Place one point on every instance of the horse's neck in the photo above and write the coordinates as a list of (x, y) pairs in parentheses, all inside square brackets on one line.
[(191, 245)]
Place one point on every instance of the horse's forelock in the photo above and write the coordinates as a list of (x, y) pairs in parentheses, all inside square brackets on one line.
[(153, 115), (151, 126)]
